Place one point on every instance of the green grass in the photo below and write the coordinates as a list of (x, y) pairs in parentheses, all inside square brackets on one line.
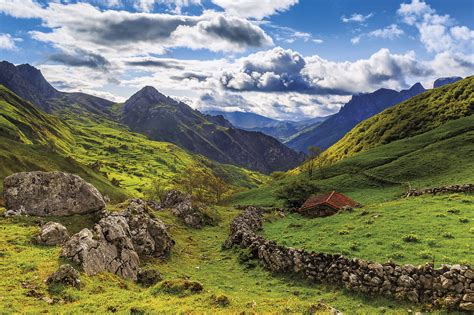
[(197, 256), (407, 231), (415, 116), (438, 157)]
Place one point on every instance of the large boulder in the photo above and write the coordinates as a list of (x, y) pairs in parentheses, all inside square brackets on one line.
[(51, 194), (108, 247), (118, 240), (52, 233)]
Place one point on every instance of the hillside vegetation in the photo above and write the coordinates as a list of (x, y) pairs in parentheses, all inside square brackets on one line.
[(412, 117), (386, 171), (98, 149)]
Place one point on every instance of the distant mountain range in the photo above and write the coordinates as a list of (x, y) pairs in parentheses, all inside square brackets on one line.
[(165, 119), (280, 129), (161, 118), (359, 108), (443, 81)]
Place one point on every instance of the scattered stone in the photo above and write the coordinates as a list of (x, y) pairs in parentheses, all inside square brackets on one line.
[(50, 194), (52, 233), (116, 242), (467, 306), (147, 278), (65, 275), (181, 206)]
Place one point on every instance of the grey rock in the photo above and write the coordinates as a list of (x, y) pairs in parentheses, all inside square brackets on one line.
[(51, 194), (467, 306), (116, 242), (52, 233), (66, 275), (468, 297)]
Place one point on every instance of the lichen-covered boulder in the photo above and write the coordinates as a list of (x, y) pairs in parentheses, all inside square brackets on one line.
[(181, 205), (65, 275), (118, 240), (52, 233), (51, 194), (149, 235)]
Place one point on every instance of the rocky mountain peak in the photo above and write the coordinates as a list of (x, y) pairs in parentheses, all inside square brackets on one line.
[(148, 95)]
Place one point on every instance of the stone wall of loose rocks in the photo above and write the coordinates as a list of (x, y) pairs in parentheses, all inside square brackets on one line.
[(449, 286), (466, 188)]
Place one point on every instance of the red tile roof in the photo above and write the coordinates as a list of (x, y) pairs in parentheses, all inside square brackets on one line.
[(332, 199)]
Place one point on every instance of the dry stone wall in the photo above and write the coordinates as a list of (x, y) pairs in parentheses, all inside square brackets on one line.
[(449, 286), (466, 188)]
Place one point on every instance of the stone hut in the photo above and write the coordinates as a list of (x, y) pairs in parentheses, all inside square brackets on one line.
[(326, 204)]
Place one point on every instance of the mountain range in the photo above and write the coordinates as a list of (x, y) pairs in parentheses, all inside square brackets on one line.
[(360, 107), (165, 119), (280, 129), (160, 118)]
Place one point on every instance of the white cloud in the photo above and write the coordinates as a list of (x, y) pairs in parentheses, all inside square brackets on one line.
[(7, 42), (254, 9), (390, 32), (438, 33), (356, 17), (114, 33), (175, 5)]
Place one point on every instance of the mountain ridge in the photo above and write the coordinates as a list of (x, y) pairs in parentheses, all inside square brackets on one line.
[(360, 107), (165, 119)]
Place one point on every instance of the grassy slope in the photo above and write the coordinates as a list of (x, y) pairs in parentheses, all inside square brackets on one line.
[(438, 157), (197, 256), (412, 117), (32, 140), (376, 232), (38, 141)]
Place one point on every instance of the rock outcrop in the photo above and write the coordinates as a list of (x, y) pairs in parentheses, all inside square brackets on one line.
[(52, 233), (50, 194), (65, 275), (449, 286), (181, 205), (116, 242)]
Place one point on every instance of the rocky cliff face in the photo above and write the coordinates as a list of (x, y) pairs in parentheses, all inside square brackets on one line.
[(164, 119), (359, 108)]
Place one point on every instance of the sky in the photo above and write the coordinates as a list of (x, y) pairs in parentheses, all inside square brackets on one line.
[(285, 59)]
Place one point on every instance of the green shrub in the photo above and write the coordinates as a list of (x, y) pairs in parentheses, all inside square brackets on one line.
[(180, 287), (464, 220), (411, 238), (295, 193), (426, 254), (448, 235)]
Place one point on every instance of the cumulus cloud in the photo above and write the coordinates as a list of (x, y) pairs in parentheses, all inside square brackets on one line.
[(356, 17), (390, 32), (254, 9), (176, 6), (7, 42), (117, 32), (280, 70), (290, 35), (438, 33)]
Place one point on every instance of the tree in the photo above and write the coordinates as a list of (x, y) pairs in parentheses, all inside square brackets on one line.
[(295, 193), (312, 162), (201, 184)]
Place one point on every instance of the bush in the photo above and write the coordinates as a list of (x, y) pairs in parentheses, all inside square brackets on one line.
[(464, 220), (295, 194), (180, 287), (156, 191), (448, 235), (277, 175), (426, 254), (411, 238)]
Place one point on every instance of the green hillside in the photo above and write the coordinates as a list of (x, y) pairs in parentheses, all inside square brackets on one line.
[(437, 157), (412, 117), (100, 150)]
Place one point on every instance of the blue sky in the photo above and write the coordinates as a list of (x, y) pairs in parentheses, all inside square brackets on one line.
[(286, 59)]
